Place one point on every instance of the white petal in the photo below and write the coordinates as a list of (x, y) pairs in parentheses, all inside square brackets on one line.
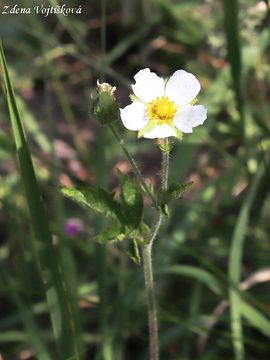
[(148, 85), (182, 87), (190, 116), (160, 132), (133, 116)]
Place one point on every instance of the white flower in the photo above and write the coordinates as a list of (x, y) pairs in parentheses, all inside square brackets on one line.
[(163, 108)]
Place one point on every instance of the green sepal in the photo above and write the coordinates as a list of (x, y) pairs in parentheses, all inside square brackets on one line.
[(179, 133), (93, 102), (134, 98), (166, 147), (148, 127), (95, 198), (131, 200)]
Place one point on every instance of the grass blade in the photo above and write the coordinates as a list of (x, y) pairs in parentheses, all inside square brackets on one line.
[(33, 332), (56, 293), (234, 53), (235, 260), (195, 272), (256, 318)]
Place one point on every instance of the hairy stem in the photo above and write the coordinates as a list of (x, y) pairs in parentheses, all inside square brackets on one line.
[(151, 302), (148, 269), (132, 163), (165, 167)]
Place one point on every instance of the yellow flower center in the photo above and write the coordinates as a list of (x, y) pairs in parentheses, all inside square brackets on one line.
[(161, 110)]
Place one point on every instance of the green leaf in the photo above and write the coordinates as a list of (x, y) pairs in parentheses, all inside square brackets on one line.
[(95, 198), (173, 192), (131, 201), (63, 324), (113, 233)]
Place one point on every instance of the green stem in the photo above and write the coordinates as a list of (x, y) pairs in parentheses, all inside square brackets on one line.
[(148, 269), (165, 165), (132, 162), (151, 302)]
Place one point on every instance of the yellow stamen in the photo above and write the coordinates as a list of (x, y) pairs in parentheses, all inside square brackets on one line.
[(161, 110)]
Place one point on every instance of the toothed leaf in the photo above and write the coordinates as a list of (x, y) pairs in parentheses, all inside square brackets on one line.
[(95, 198), (174, 191), (131, 201)]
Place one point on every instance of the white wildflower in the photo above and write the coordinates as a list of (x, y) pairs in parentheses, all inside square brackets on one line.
[(163, 108)]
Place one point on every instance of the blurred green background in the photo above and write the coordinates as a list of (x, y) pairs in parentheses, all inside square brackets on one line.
[(217, 235)]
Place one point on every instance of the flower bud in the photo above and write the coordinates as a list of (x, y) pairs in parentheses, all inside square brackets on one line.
[(105, 106), (106, 87)]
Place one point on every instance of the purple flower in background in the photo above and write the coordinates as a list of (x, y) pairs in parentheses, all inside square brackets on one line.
[(73, 227)]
